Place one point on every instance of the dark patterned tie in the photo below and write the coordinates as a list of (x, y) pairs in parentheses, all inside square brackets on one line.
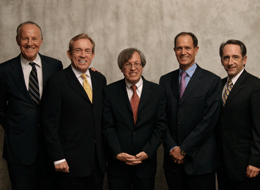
[(182, 83), (33, 84), (134, 103), (227, 91)]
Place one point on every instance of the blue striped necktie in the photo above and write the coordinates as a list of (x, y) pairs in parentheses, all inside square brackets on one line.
[(33, 84)]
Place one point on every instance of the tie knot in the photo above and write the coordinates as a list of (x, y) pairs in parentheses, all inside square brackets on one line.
[(32, 64), (84, 76), (183, 74), (133, 87), (230, 82)]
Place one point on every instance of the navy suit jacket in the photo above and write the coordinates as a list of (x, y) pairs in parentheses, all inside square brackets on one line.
[(122, 135), (240, 127), (19, 114), (72, 124), (192, 120)]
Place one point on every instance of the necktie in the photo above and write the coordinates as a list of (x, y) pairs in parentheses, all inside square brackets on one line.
[(227, 91), (182, 83), (134, 103), (86, 87), (33, 84)]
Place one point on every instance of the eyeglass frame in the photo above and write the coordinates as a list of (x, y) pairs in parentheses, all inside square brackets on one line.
[(129, 65)]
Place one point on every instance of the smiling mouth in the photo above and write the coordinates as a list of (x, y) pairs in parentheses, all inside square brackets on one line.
[(82, 61)]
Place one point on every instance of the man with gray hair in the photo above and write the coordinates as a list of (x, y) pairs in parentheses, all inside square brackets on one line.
[(134, 124), (239, 121), (22, 81)]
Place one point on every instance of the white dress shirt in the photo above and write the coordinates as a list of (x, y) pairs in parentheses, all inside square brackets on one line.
[(139, 88), (27, 70)]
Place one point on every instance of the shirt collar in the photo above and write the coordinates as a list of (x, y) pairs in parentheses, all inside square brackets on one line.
[(138, 84), (190, 71), (25, 62), (234, 79), (78, 73)]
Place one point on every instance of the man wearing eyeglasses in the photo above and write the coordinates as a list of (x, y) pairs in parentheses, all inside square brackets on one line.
[(134, 124)]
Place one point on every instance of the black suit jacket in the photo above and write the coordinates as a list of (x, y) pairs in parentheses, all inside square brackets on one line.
[(240, 126), (191, 121), (71, 124), (19, 114), (122, 135)]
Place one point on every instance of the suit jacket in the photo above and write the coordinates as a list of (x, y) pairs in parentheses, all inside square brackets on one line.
[(122, 135), (191, 121), (19, 114), (72, 124), (240, 126)]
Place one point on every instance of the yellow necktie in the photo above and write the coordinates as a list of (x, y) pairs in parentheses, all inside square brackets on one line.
[(227, 91), (86, 87)]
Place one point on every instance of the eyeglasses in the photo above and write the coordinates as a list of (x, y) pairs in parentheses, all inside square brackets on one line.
[(129, 65)]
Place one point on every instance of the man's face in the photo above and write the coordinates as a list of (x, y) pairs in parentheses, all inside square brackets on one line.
[(81, 55), (133, 74), (185, 51), (30, 41), (232, 59)]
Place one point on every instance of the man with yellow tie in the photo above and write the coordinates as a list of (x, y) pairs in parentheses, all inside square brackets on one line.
[(72, 111)]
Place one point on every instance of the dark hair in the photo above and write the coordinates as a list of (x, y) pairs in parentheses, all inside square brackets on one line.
[(24, 23), (194, 38), (126, 54), (235, 42)]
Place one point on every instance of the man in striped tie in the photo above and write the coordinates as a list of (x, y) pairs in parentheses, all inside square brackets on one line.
[(22, 80), (239, 131)]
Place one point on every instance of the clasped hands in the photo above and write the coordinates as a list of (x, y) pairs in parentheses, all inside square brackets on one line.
[(130, 159), (176, 155), (252, 171)]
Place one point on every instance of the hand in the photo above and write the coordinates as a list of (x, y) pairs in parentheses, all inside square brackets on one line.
[(62, 167), (252, 171), (128, 159), (141, 156), (176, 155), (94, 69)]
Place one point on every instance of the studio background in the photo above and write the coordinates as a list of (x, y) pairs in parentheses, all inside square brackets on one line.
[(149, 25)]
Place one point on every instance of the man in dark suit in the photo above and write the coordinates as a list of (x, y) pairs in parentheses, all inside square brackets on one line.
[(134, 121), (72, 113), (193, 103), (239, 121), (20, 110)]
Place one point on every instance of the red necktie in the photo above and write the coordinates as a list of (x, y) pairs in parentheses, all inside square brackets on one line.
[(134, 103)]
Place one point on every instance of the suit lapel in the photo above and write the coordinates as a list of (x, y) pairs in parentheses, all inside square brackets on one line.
[(146, 92), (17, 74), (75, 84), (45, 70), (192, 85), (175, 84), (236, 88), (123, 94)]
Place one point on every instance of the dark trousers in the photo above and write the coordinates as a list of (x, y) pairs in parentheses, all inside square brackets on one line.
[(225, 183), (130, 182), (40, 175), (94, 181), (181, 181)]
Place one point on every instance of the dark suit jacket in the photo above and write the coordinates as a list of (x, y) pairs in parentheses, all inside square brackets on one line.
[(122, 135), (71, 124), (191, 121), (19, 114), (240, 126)]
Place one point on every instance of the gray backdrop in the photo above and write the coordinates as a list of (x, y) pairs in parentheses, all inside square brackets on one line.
[(149, 25)]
